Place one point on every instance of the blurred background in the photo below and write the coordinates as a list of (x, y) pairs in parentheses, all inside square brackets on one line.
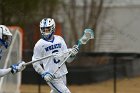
[(107, 64)]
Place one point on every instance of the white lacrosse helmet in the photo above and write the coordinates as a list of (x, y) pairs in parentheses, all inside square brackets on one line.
[(47, 23), (5, 36)]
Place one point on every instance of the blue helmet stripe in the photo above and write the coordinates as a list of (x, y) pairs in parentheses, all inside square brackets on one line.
[(45, 22)]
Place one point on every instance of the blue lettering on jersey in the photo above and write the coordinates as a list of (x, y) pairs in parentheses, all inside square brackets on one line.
[(52, 47)]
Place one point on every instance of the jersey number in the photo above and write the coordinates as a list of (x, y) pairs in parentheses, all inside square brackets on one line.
[(55, 60)]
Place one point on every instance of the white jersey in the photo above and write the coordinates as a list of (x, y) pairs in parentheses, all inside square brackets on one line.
[(44, 48)]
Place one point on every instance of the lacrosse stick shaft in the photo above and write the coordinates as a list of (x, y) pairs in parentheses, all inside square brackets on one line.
[(31, 62), (62, 63)]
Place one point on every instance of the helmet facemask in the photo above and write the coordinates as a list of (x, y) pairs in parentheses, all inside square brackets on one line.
[(6, 41)]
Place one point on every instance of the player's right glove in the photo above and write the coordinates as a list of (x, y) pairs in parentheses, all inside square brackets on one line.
[(17, 67), (74, 50), (47, 76)]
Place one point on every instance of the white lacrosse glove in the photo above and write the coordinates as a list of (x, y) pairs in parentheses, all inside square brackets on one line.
[(17, 67), (47, 76), (74, 50)]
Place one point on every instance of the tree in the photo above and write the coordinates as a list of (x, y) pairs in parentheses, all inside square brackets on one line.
[(48, 8), (82, 16), (16, 11)]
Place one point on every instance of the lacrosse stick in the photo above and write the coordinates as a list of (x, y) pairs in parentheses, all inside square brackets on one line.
[(88, 34), (31, 62)]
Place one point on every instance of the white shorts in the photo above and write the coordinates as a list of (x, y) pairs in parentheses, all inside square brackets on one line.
[(59, 85)]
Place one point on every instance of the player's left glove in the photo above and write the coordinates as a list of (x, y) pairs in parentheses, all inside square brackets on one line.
[(48, 76), (17, 67), (74, 50)]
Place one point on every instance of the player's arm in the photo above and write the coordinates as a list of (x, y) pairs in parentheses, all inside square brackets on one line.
[(4, 72), (45, 75), (38, 68), (74, 50), (13, 69), (37, 54)]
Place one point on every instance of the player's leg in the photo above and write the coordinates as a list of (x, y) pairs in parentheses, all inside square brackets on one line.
[(59, 85), (59, 88)]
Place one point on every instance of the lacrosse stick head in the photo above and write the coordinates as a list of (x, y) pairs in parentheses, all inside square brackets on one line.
[(88, 34)]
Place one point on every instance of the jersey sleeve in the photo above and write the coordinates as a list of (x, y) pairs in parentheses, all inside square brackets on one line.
[(37, 54)]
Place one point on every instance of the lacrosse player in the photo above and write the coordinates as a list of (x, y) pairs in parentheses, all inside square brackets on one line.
[(5, 41), (55, 45)]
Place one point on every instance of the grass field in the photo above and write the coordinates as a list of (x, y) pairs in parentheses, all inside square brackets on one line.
[(127, 85)]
